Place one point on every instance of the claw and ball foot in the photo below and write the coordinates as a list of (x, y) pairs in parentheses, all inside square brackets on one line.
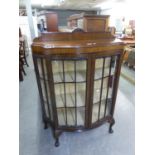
[(57, 133), (45, 125), (111, 125), (111, 130), (57, 142)]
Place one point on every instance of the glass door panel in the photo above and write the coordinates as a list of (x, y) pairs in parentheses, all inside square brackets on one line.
[(103, 86), (70, 91)]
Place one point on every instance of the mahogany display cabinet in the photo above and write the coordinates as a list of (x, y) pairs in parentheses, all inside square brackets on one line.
[(77, 76)]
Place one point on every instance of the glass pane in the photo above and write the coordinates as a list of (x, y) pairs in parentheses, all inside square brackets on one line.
[(95, 112), (58, 77), (70, 95), (104, 88), (41, 66), (46, 109), (107, 66), (99, 63), (108, 108), (61, 116), (71, 116), (105, 82), (81, 65), (80, 94), (107, 62), (110, 93), (113, 65), (57, 66), (43, 90), (102, 109), (80, 116), (81, 70), (57, 69), (104, 93), (59, 89), (69, 71), (97, 91), (60, 101), (49, 99), (98, 68), (45, 68)]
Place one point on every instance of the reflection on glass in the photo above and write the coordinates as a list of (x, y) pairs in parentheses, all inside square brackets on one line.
[(65, 71), (42, 68)]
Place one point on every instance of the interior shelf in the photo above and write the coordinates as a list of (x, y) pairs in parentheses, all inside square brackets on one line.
[(64, 88), (70, 100)]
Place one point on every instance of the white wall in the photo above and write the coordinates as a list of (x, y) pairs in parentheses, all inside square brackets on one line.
[(119, 11), (24, 25)]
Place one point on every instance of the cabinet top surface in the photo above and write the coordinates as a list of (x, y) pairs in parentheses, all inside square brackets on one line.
[(74, 41), (77, 43)]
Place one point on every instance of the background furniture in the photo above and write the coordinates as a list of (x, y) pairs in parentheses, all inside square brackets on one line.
[(77, 76), (22, 57), (22, 50), (129, 56), (89, 23), (112, 30), (129, 51), (48, 21), (21, 62)]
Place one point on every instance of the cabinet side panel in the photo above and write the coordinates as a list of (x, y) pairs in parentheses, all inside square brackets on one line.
[(42, 81)]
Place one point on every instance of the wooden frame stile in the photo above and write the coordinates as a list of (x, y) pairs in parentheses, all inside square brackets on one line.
[(91, 69), (115, 89), (56, 131), (88, 105)]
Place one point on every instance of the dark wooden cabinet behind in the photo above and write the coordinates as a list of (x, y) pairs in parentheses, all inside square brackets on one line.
[(77, 76), (89, 23), (52, 22), (49, 21)]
